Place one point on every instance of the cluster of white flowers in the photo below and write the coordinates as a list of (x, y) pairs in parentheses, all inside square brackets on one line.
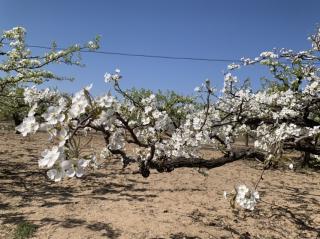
[(28, 126), (233, 66), (51, 156), (79, 103), (32, 95), (93, 45), (246, 197), (313, 88), (116, 141), (248, 61), (112, 77), (57, 120), (15, 33), (149, 123), (54, 114), (205, 87), (273, 116), (315, 39), (68, 168), (269, 54), (229, 81)]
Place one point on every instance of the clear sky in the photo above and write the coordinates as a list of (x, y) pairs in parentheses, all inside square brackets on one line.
[(186, 28)]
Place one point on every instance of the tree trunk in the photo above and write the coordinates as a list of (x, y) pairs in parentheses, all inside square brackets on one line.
[(171, 164), (17, 120), (306, 159), (246, 139)]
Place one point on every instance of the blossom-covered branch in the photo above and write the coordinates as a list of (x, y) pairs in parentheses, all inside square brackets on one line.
[(283, 116)]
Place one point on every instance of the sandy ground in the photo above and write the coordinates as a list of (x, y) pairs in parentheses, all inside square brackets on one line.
[(114, 203)]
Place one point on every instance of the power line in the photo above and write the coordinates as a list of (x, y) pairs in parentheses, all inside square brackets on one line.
[(143, 55)]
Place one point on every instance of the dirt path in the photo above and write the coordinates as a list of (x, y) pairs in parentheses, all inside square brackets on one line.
[(114, 203)]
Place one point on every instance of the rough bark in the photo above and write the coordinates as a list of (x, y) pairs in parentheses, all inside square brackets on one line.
[(167, 165)]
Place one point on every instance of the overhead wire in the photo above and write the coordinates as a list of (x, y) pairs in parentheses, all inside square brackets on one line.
[(144, 55)]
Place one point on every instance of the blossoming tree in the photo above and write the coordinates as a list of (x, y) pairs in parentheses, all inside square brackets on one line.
[(279, 118), (20, 68)]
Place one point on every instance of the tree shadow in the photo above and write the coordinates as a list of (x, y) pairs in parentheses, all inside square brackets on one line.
[(20, 178), (301, 220), (109, 232), (106, 229), (22, 181), (182, 235)]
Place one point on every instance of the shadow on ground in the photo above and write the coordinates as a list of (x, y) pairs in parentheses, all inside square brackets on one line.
[(24, 186)]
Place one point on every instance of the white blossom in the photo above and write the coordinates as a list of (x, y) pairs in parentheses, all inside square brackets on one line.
[(112, 77), (269, 54), (291, 166), (49, 157), (246, 197), (29, 125), (54, 175)]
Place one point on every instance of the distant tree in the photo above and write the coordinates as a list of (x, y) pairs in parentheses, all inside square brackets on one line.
[(169, 101)]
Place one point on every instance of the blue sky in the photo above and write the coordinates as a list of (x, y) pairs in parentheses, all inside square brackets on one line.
[(186, 28)]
